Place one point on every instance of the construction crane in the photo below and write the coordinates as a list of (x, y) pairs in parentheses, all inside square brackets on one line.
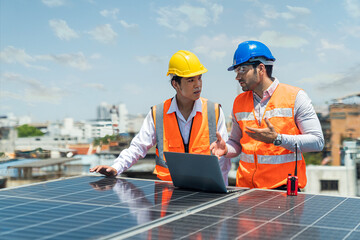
[(341, 99)]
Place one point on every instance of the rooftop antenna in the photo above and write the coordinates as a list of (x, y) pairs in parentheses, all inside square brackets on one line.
[(292, 181)]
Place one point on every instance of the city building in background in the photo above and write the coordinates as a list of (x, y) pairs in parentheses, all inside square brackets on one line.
[(345, 124), (337, 174), (341, 180), (117, 115)]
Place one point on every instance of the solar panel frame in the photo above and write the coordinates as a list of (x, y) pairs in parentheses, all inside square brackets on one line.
[(94, 207), (262, 218)]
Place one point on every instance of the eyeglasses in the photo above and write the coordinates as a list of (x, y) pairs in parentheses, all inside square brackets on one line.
[(243, 68)]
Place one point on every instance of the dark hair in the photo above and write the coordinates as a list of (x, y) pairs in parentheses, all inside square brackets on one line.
[(176, 79), (268, 68)]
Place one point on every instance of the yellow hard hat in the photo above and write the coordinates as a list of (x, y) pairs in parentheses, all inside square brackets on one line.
[(185, 64)]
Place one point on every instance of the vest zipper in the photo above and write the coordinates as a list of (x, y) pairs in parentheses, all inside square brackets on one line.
[(186, 146)]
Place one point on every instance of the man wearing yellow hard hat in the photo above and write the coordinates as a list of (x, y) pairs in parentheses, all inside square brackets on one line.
[(184, 123)]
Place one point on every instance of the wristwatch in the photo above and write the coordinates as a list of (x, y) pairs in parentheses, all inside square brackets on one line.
[(278, 140)]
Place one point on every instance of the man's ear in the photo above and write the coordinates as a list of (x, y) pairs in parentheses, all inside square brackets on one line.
[(174, 84), (262, 69)]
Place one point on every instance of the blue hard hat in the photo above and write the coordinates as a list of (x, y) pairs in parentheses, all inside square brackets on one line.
[(252, 51)]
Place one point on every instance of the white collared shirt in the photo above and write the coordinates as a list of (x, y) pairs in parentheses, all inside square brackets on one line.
[(146, 138)]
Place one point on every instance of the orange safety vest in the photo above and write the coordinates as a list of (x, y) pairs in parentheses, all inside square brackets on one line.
[(263, 165), (169, 138)]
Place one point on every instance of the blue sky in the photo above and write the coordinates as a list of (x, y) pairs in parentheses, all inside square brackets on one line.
[(62, 58)]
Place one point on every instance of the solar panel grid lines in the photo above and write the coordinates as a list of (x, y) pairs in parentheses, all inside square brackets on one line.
[(210, 216), (25, 202), (271, 220), (191, 193), (37, 188), (278, 224), (293, 237), (140, 229), (35, 200), (222, 219), (341, 218), (56, 219), (67, 219), (93, 207)]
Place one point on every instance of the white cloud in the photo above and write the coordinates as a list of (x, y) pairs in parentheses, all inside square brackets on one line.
[(184, 17), (10, 95), (104, 34), (95, 56), (322, 57), (32, 90), (271, 13), (276, 39), (299, 10), (97, 86), (110, 13), (213, 47), (134, 89), (336, 84), (217, 10), (53, 3), (149, 59), (352, 30), (127, 25), (353, 8), (286, 15), (325, 44), (62, 30), (14, 55), (303, 27), (75, 60)]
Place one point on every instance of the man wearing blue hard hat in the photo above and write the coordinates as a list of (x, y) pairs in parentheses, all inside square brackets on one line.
[(270, 120)]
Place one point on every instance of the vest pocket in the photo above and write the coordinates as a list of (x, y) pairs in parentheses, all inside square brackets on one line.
[(174, 145), (202, 149)]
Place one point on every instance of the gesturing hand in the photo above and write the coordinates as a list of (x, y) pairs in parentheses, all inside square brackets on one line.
[(218, 148), (266, 135)]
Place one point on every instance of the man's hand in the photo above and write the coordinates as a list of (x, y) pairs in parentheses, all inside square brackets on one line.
[(218, 148), (266, 135), (105, 170)]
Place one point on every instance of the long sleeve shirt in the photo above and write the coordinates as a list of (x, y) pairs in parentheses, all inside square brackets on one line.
[(311, 138), (146, 138)]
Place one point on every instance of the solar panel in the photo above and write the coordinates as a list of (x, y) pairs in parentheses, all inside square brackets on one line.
[(94, 207), (89, 207)]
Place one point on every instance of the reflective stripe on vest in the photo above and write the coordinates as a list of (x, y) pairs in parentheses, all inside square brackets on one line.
[(269, 159), (263, 165), (159, 129), (277, 159), (277, 112), (211, 121)]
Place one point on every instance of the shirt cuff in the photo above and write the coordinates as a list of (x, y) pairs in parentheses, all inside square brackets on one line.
[(118, 166)]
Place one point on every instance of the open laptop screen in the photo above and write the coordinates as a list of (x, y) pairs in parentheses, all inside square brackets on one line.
[(195, 171)]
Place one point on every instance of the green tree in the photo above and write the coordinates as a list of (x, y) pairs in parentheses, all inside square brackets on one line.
[(28, 131), (313, 158), (107, 139)]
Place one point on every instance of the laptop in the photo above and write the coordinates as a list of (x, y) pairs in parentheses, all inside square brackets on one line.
[(196, 171)]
